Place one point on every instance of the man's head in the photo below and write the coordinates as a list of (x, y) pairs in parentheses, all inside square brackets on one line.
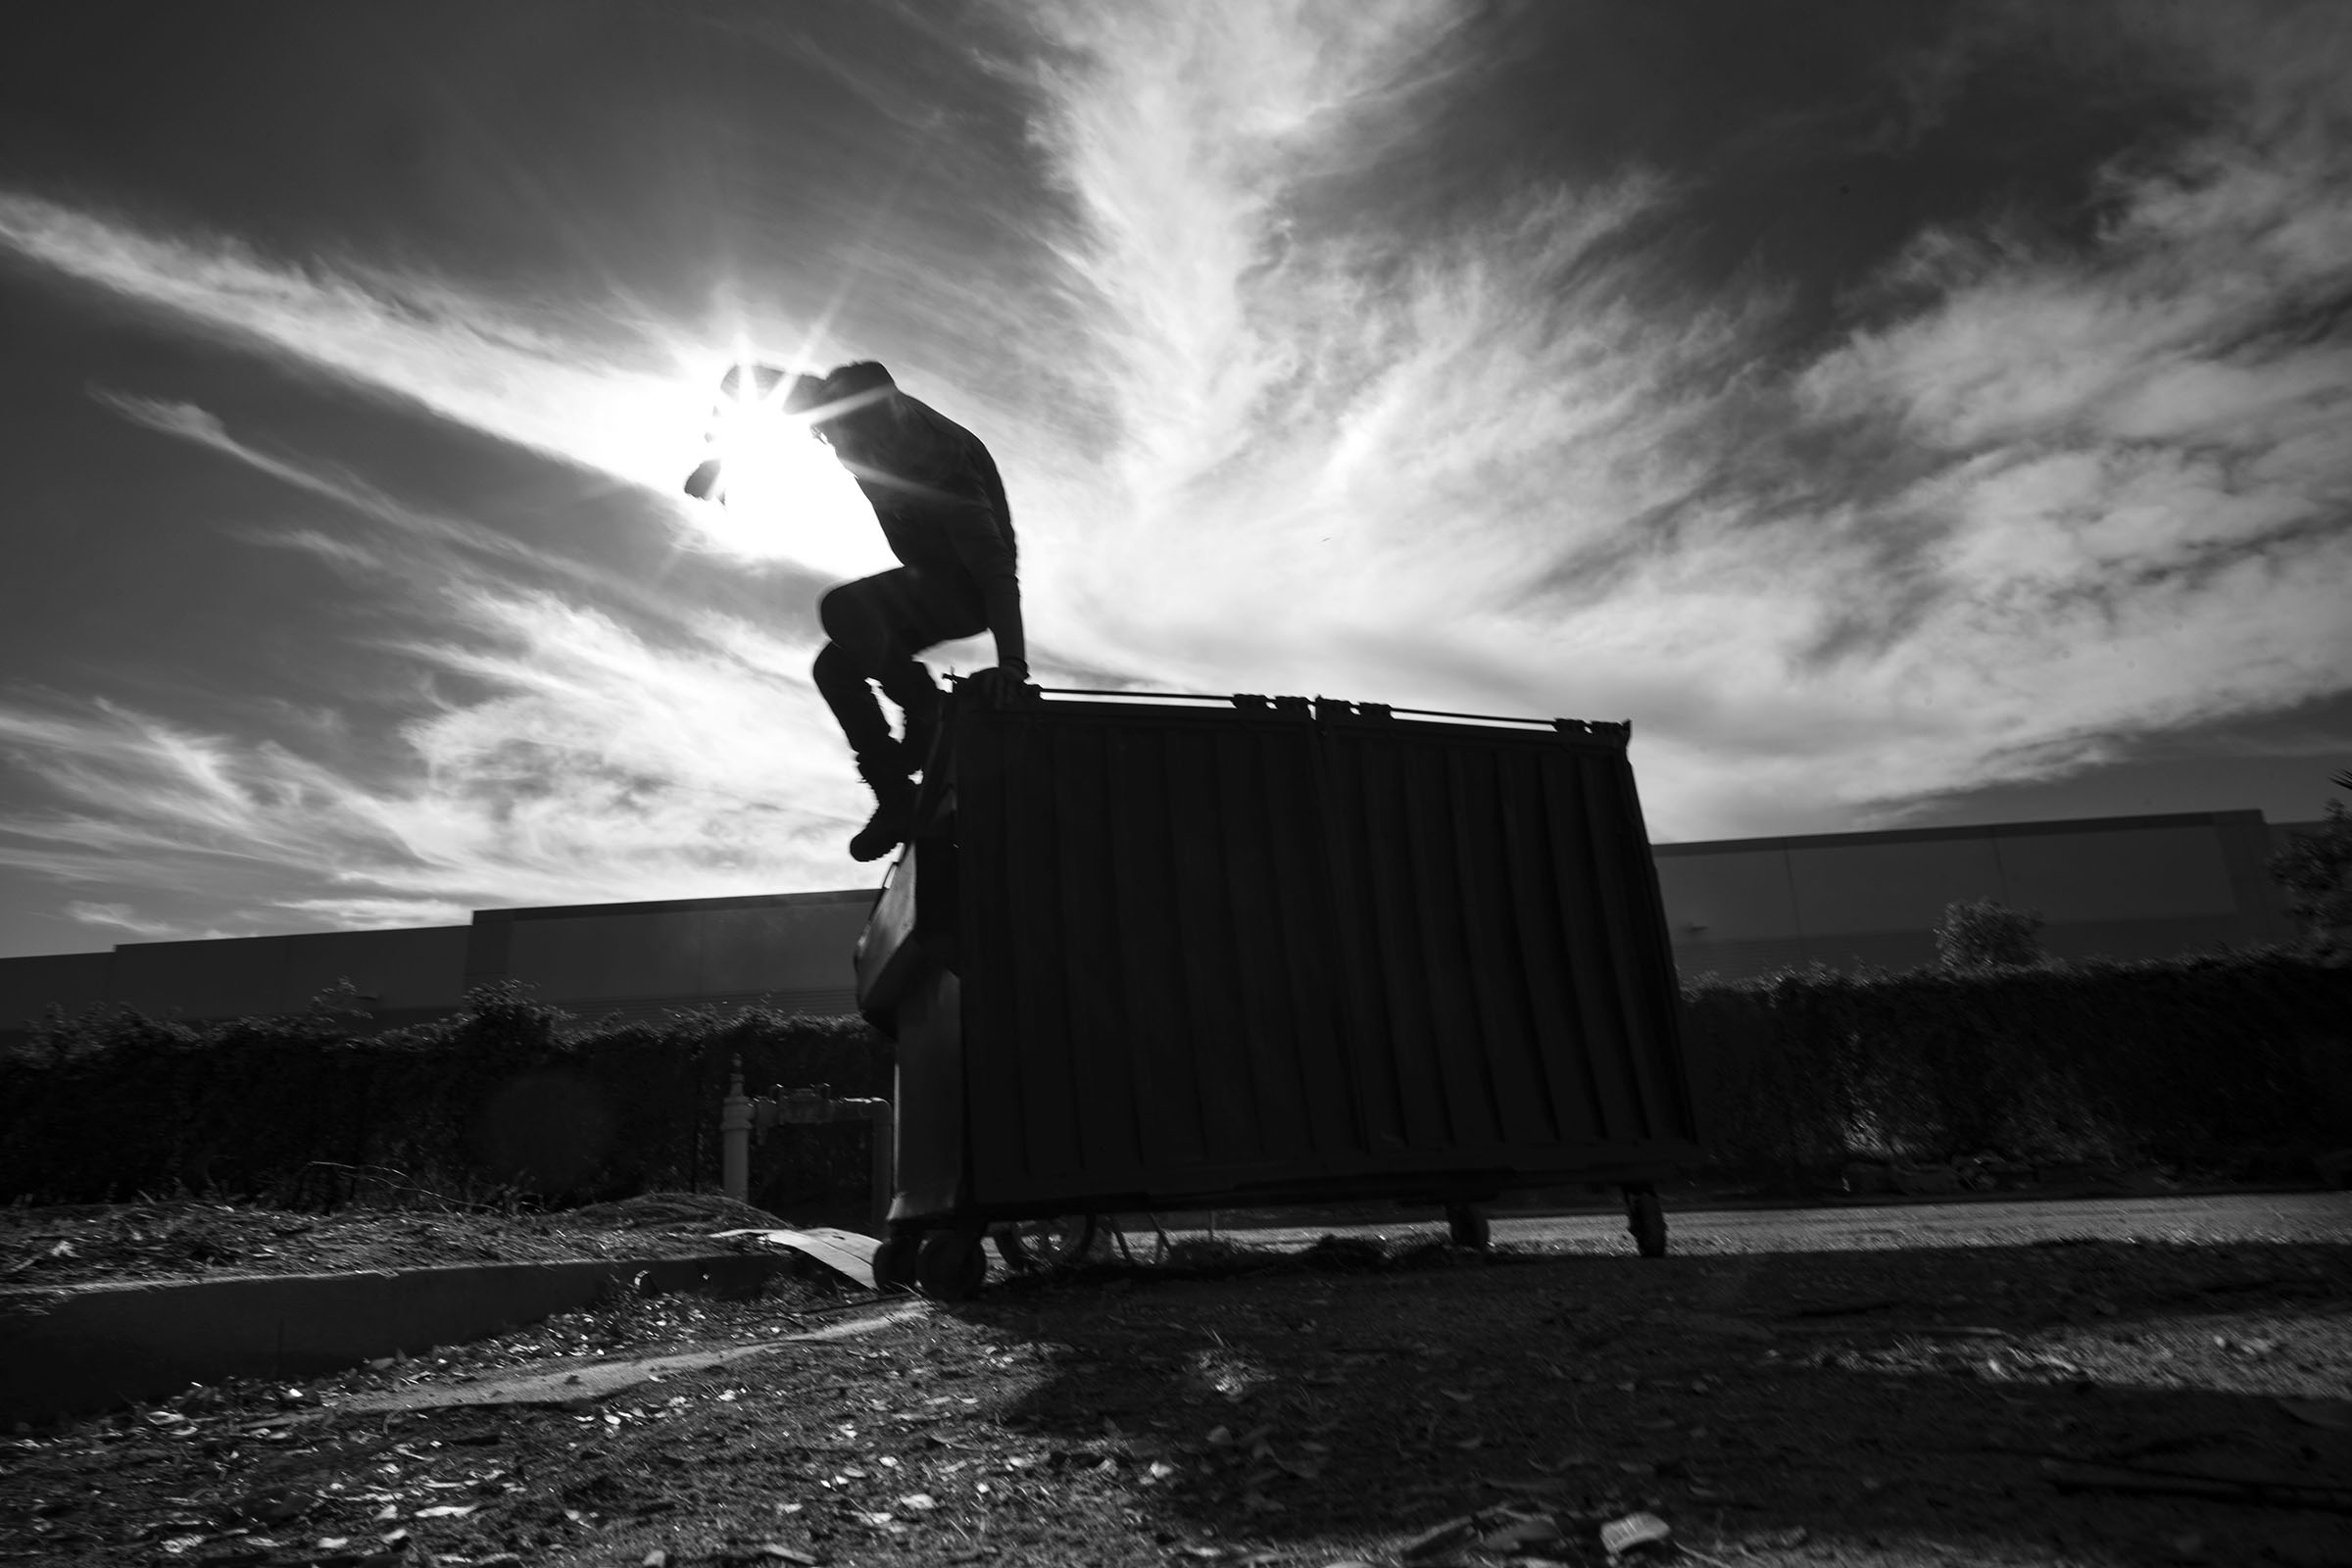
[(841, 392)]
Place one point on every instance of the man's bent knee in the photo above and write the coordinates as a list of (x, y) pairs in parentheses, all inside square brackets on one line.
[(866, 611), (834, 665), (834, 611)]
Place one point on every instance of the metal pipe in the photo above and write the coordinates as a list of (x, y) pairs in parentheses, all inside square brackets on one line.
[(735, 1138), (741, 1116)]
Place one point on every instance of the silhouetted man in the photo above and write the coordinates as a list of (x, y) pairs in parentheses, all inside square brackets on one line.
[(936, 492)]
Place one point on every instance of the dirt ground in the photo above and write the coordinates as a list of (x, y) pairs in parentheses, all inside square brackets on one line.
[(192, 1238), (2082, 1402)]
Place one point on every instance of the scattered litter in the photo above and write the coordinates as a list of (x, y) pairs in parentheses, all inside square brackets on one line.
[(844, 1252), (1533, 1530), (526, 1385), (1439, 1539), (1619, 1536), (784, 1553)]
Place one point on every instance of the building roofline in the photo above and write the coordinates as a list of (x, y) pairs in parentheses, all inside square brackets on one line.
[(1927, 835), (745, 901)]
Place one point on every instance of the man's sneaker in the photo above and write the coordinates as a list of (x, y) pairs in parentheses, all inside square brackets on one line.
[(894, 806)]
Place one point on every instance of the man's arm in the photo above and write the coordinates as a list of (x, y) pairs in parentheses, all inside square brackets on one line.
[(981, 546), (955, 467), (1003, 600)]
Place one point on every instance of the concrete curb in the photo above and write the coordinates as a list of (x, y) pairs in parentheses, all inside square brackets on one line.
[(80, 1350), (1688, 1200)]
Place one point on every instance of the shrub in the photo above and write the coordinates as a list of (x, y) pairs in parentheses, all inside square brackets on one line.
[(1985, 933), (509, 1100), (2315, 871), (2194, 1062)]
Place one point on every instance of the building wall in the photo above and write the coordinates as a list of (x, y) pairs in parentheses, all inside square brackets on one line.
[(31, 987), (2114, 887), (234, 976), (794, 950), (615, 962)]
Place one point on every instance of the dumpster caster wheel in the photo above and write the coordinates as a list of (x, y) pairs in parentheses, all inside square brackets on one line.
[(1057, 1243), (1468, 1225), (894, 1260), (951, 1266), (1645, 1220)]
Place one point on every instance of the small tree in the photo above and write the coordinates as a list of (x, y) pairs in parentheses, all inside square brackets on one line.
[(2315, 871), (1986, 934)]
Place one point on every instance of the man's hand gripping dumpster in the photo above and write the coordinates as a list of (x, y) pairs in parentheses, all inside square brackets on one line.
[(937, 495)]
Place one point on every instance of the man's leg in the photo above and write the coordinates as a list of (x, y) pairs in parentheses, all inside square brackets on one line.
[(851, 695), (878, 624)]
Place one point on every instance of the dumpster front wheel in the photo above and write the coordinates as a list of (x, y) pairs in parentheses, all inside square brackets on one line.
[(1645, 1220), (895, 1259), (952, 1266)]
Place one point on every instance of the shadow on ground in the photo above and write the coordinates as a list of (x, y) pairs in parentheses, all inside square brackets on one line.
[(2095, 1401)]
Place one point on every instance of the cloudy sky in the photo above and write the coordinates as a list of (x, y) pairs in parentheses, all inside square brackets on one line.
[(1903, 414)]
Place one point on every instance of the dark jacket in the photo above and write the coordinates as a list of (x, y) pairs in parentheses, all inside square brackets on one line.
[(935, 491)]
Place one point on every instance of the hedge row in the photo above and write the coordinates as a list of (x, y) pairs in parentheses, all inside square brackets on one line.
[(2205, 1062), (2200, 1063), (506, 1100)]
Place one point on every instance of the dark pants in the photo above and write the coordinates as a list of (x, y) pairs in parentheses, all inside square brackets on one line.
[(878, 625)]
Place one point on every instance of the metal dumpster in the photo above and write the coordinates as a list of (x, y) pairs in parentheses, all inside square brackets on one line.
[(1235, 952)]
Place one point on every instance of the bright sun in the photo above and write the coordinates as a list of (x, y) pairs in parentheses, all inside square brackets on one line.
[(784, 495)]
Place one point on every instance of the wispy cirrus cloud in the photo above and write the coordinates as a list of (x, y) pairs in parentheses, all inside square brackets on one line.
[(2058, 497), (124, 918), (432, 549), (601, 764), (607, 390), (596, 391), (574, 735)]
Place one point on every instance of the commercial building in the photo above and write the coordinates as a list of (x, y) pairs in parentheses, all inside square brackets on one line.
[(2119, 887), (2137, 886)]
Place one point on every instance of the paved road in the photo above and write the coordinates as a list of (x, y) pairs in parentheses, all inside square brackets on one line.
[(2234, 1217)]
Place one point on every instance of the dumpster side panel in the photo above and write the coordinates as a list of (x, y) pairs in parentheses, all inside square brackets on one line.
[(929, 1097), (1221, 951), (1150, 952), (1519, 969)]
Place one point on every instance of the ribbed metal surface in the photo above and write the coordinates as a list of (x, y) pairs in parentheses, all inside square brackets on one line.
[(1290, 950)]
